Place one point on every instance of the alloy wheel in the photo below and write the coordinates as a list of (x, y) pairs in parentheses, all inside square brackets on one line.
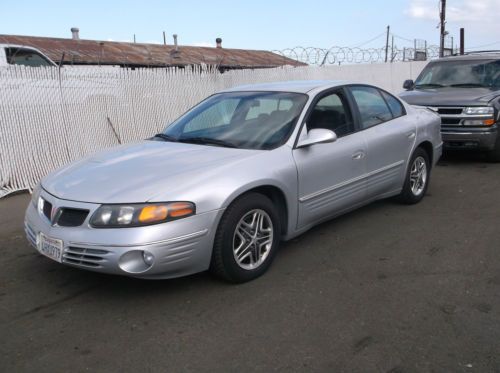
[(253, 239), (418, 176)]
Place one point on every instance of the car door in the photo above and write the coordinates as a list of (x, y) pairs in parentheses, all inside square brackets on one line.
[(390, 135), (330, 175)]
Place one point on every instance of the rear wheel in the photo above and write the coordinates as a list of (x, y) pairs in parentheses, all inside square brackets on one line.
[(417, 178), (246, 240)]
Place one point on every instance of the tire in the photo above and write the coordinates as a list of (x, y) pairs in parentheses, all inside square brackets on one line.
[(416, 182), (237, 237), (494, 155)]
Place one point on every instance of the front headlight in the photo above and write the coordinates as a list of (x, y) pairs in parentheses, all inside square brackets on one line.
[(136, 215), (479, 110)]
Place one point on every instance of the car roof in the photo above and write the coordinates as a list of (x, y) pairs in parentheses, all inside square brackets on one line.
[(296, 86)]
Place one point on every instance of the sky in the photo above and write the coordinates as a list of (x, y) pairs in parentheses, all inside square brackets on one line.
[(256, 24)]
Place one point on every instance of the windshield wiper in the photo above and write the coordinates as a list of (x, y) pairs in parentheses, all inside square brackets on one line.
[(429, 85), (165, 137), (208, 141), (466, 85)]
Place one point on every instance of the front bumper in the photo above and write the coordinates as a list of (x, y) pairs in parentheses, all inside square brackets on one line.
[(180, 247), (480, 138)]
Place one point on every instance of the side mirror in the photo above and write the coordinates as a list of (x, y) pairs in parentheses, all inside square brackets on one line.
[(317, 136), (409, 84)]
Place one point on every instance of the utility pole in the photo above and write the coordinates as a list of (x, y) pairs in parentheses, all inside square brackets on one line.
[(442, 17), (392, 49), (387, 43), (462, 40)]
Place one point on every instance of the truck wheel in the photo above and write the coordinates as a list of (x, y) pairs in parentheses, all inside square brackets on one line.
[(246, 240), (417, 178), (494, 155)]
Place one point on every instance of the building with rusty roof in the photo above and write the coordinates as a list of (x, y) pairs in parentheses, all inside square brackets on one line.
[(76, 51)]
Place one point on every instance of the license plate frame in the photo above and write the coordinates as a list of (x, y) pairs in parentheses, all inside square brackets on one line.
[(50, 247)]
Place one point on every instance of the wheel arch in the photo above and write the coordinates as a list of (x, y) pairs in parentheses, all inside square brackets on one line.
[(276, 195), (426, 145)]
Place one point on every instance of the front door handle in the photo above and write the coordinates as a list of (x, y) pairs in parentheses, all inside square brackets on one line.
[(358, 155)]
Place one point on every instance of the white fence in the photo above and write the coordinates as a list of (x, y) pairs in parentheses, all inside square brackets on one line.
[(50, 116)]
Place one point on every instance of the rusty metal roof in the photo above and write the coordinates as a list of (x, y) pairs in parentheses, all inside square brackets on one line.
[(94, 52)]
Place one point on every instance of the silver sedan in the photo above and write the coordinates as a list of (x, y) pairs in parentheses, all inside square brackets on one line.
[(221, 186)]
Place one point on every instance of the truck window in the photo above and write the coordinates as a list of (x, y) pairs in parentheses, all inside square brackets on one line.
[(460, 73), (26, 57)]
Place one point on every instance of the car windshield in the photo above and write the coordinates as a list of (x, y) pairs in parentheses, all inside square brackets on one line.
[(249, 120), (466, 74)]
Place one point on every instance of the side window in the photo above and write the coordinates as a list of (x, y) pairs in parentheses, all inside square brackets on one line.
[(217, 115), (332, 112), (396, 107), (26, 57), (372, 106)]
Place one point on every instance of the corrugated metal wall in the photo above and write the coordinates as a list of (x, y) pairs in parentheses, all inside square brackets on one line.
[(50, 117)]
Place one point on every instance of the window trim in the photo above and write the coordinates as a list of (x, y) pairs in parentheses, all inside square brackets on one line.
[(317, 98), (379, 90)]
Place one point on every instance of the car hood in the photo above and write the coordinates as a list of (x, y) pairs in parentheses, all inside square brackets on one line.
[(449, 96), (137, 172)]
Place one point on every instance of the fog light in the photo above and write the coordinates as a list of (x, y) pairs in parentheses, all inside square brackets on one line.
[(148, 258)]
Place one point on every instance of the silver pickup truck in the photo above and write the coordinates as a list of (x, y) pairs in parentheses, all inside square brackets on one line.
[(465, 92)]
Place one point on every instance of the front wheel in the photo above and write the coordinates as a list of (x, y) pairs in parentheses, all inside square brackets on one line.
[(246, 240), (494, 155), (417, 178)]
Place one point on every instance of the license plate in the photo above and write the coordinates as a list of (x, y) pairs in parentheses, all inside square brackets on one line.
[(50, 247)]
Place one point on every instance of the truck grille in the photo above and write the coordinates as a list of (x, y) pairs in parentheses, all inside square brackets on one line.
[(450, 110), (450, 116), (450, 121)]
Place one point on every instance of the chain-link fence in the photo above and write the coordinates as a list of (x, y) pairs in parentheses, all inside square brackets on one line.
[(50, 117)]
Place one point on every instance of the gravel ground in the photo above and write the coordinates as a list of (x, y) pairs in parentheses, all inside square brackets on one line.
[(387, 288)]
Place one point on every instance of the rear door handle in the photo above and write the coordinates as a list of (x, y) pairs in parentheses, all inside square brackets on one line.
[(411, 135), (358, 155)]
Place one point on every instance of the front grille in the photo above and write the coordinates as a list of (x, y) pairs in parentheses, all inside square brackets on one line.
[(450, 121), (450, 111), (47, 209), (71, 217), (83, 256)]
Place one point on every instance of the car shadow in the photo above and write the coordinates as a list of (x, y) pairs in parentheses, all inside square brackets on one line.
[(452, 157)]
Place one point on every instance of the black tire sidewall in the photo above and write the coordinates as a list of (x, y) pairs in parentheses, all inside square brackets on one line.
[(224, 239)]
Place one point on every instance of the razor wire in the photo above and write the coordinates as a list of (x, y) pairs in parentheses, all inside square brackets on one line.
[(354, 55)]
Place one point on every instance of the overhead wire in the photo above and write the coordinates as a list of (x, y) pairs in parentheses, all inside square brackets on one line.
[(368, 41)]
